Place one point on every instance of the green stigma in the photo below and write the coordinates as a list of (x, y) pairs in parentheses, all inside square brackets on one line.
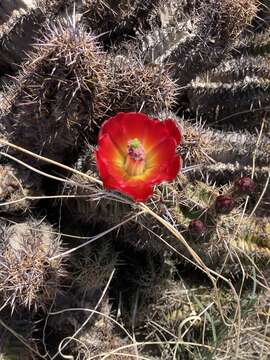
[(135, 143)]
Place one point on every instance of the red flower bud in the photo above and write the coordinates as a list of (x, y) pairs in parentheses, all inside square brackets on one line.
[(224, 204), (197, 228), (245, 185)]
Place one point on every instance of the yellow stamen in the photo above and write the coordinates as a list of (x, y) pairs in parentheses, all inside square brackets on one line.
[(134, 167), (135, 160)]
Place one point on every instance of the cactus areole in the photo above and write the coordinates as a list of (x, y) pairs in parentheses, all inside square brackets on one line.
[(135, 152)]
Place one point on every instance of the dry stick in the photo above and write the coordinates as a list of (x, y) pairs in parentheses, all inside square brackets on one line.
[(41, 197), (62, 346), (92, 179), (128, 356), (265, 334), (236, 233), (158, 326), (262, 195), (127, 333), (94, 238), (200, 264), (142, 206), (20, 338), (194, 319), (115, 351), (36, 170), (93, 312), (50, 232)]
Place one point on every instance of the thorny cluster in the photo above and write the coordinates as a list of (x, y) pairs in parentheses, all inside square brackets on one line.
[(86, 273)]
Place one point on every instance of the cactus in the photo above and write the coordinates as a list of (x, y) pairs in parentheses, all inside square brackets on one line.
[(175, 22), (237, 148), (235, 96), (221, 173), (90, 270), (228, 237), (15, 185), (138, 87), (9, 7), (23, 21), (178, 301), (92, 85), (102, 338), (28, 275), (5, 105), (256, 44), (206, 60), (215, 93), (100, 341), (99, 207), (217, 26), (237, 69), (183, 311), (256, 316), (118, 20), (60, 87), (237, 90), (12, 347), (245, 185), (91, 203), (261, 21), (16, 35), (202, 145), (93, 266)]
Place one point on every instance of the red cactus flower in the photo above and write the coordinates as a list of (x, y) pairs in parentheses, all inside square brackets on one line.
[(136, 152)]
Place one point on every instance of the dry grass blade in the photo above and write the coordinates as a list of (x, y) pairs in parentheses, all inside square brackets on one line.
[(96, 237), (52, 162), (21, 339), (64, 343)]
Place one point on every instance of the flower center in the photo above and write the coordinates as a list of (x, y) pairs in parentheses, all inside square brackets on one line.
[(135, 161)]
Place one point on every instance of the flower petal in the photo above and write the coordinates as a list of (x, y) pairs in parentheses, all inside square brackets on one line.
[(162, 153), (173, 130), (108, 150), (173, 168), (111, 174), (113, 179), (114, 127), (156, 134), (135, 125), (124, 127), (137, 189), (110, 162), (163, 163)]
